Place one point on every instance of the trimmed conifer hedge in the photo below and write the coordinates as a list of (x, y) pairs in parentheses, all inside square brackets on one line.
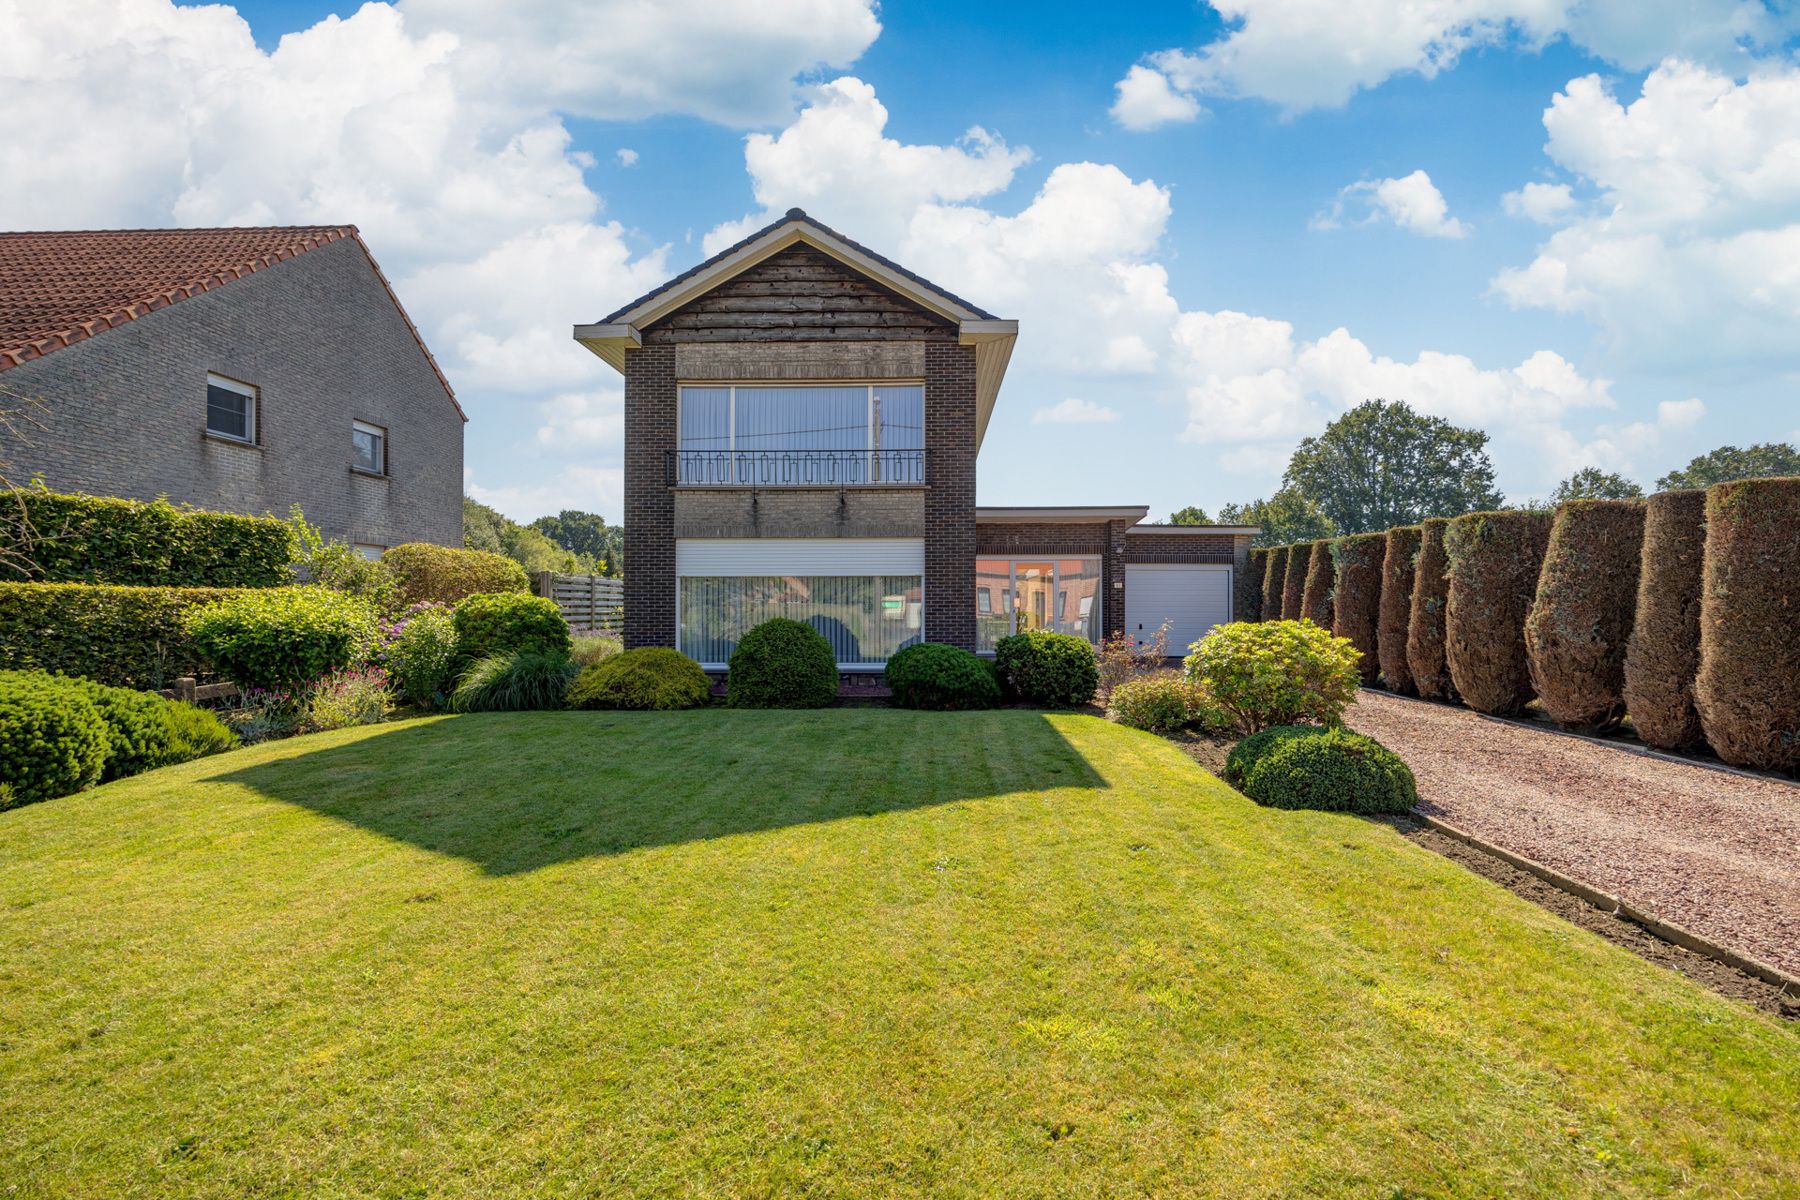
[(1321, 578), (138, 543), (1248, 587), (1576, 631), (1663, 654), (1293, 587), (1400, 549), (1274, 581), (1748, 688), (1425, 620), (1357, 562), (1494, 562), (133, 637)]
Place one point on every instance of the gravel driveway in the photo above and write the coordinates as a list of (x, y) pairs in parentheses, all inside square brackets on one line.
[(1714, 851)]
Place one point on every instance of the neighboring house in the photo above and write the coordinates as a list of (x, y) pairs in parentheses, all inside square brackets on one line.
[(802, 419), (243, 370)]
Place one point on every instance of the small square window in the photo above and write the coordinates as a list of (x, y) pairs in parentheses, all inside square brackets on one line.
[(369, 550), (368, 447), (230, 408)]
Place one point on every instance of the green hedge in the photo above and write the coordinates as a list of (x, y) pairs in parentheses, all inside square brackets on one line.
[(446, 574), (1398, 564), (1576, 631), (1663, 654), (507, 622), (1494, 562), (1293, 585), (1050, 670), (1274, 580), (1357, 560), (1319, 584), (1425, 623), (284, 637), (124, 636), (99, 539), (942, 678), (1249, 586)]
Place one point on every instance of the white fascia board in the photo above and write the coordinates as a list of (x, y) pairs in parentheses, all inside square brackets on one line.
[(993, 342), (610, 341), (1059, 515), (1214, 530)]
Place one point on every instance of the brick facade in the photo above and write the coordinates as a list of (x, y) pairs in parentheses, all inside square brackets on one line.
[(124, 413), (650, 434)]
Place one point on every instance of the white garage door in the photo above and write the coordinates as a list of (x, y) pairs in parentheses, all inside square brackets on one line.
[(1192, 598)]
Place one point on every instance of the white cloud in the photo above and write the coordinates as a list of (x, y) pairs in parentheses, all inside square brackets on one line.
[(1147, 100), (1074, 411), (589, 488), (1412, 202), (627, 156), (1545, 203)]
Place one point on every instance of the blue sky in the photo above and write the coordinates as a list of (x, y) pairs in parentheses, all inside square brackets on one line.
[(1218, 227)]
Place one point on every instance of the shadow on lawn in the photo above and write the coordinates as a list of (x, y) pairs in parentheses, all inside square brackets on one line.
[(512, 792)]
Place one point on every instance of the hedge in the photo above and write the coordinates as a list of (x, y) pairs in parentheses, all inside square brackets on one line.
[(282, 638), (1357, 562), (1425, 619), (446, 574), (1293, 586), (1576, 631), (1248, 586), (1394, 612), (100, 539), (506, 622), (1494, 561), (1274, 581), (1748, 688), (1046, 669), (1663, 654), (1321, 579), (942, 678), (123, 636)]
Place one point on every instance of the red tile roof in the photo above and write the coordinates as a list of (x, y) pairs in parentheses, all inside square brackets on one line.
[(59, 288)]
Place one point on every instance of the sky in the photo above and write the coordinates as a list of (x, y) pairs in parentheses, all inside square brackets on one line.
[(1572, 223)]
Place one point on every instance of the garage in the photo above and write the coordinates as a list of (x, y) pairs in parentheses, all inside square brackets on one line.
[(1191, 597)]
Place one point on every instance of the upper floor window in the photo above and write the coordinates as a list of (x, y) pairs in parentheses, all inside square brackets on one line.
[(368, 447), (230, 408), (786, 436)]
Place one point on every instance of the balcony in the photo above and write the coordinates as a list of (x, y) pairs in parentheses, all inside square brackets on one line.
[(795, 468)]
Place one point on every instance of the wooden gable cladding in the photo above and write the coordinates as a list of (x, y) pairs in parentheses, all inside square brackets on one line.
[(799, 294)]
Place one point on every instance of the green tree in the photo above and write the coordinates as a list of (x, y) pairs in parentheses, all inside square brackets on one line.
[(1285, 517), (1381, 464), (1191, 515), (587, 536), (1591, 483), (486, 529), (1728, 462)]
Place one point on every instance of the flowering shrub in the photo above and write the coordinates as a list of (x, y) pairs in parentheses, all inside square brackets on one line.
[(1276, 673), (420, 654), (1166, 702), (1119, 659), (346, 699)]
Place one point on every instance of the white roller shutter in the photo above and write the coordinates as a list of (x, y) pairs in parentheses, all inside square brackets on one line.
[(1191, 597), (800, 556)]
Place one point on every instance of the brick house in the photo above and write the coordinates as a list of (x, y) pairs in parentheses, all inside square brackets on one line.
[(242, 370), (802, 419)]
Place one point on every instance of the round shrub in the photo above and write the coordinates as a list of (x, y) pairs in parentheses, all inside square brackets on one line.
[(1748, 688), (1161, 703), (508, 623), (283, 637), (1398, 564), (53, 740), (1357, 562), (1662, 655), (520, 681), (1276, 673), (943, 678), (1494, 562), (194, 732), (652, 677), (1321, 579), (1332, 771), (1576, 630), (422, 658), (782, 664), (137, 727), (1274, 579), (1425, 621), (1249, 585), (1293, 586), (1051, 670), (446, 574), (1249, 751)]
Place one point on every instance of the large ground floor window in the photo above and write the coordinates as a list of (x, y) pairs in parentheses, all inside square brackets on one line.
[(1013, 595), (865, 618)]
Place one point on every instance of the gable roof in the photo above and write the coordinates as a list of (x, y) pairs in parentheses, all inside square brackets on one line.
[(65, 286), (992, 336)]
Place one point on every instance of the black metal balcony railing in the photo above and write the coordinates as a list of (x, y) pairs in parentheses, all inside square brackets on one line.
[(795, 468)]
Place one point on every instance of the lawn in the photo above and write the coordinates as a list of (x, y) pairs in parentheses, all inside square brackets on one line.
[(858, 952)]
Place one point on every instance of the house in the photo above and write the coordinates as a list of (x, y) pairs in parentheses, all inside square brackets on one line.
[(242, 370), (802, 419)]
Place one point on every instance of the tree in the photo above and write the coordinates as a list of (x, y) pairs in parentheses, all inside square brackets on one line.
[(1285, 517), (1381, 464), (486, 529), (1728, 462), (1591, 483), (1191, 515), (586, 536)]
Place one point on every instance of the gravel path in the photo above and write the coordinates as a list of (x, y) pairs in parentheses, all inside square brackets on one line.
[(1716, 852)]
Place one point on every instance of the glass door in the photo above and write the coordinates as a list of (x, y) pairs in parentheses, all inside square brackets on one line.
[(1034, 594)]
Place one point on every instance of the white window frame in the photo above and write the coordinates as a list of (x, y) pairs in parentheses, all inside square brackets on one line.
[(1096, 615), (381, 434), (252, 396), (370, 550), (871, 435)]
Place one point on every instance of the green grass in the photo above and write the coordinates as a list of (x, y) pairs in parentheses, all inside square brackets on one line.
[(857, 952)]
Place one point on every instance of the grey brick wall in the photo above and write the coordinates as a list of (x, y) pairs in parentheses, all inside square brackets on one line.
[(124, 413), (650, 433)]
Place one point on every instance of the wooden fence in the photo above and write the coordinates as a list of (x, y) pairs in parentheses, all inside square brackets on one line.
[(590, 603)]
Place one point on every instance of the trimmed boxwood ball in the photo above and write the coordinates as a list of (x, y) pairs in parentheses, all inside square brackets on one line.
[(1274, 579), (1293, 587), (1249, 750), (1357, 562), (648, 678), (1332, 770), (1247, 586), (1494, 562), (943, 678), (1425, 631), (1576, 631), (1663, 654), (1398, 565), (1050, 670), (782, 664), (53, 740), (283, 637), (1748, 688), (507, 623), (1321, 580)]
